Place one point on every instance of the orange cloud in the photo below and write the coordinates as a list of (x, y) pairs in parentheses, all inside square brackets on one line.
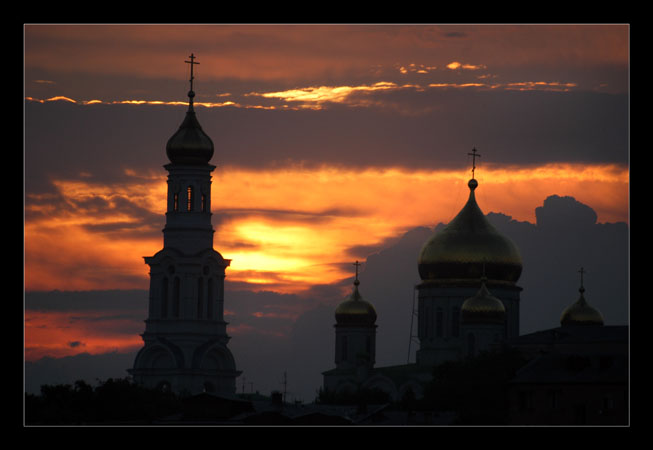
[(135, 102), (281, 52), (456, 65), (286, 229), (316, 97), (59, 334), (517, 86), (312, 97)]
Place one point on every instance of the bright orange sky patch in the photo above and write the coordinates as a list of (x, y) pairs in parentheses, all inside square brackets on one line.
[(288, 229), (59, 334)]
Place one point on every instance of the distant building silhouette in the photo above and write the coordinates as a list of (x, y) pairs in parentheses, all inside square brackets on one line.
[(468, 303), (185, 334), (577, 374)]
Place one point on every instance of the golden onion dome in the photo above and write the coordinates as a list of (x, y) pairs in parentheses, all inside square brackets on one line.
[(581, 313), (354, 310), (467, 244), (483, 308)]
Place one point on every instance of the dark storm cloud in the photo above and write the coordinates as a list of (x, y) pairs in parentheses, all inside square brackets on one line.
[(63, 139), (514, 127)]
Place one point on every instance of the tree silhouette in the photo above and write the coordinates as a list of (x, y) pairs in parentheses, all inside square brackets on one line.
[(113, 401)]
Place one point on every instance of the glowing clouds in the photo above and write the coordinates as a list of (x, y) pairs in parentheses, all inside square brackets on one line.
[(292, 228), (92, 236), (288, 229), (59, 334), (313, 97), (455, 65)]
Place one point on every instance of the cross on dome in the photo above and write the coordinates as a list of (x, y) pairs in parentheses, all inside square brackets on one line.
[(191, 93), (357, 264), (474, 155), (581, 271)]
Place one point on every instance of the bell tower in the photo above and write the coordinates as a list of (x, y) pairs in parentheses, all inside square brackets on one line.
[(185, 339)]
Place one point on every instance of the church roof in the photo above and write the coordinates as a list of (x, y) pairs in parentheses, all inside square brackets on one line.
[(190, 144), (354, 310), (580, 312), (483, 307), (466, 245)]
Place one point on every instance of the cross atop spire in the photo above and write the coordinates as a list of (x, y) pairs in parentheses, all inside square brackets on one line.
[(474, 155), (581, 271), (191, 93), (357, 264), (192, 63)]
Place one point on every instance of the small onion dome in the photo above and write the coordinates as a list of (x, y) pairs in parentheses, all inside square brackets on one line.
[(581, 313), (466, 245), (483, 308), (190, 145), (355, 311)]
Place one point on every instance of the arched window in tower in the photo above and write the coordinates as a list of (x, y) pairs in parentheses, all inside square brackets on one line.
[(200, 294), (164, 298), (209, 300), (439, 322), (203, 202), (175, 202), (344, 348), (175, 297), (189, 205)]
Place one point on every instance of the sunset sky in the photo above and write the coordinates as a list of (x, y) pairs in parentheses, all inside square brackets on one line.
[(331, 141)]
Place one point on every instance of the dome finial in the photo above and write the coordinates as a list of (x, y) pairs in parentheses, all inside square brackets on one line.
[(581, 289), (356, 282), (354, 310), (191, 93), (474, 155), (580, 312)]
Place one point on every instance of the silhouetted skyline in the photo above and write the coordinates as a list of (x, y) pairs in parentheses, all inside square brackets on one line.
[(326, 153)]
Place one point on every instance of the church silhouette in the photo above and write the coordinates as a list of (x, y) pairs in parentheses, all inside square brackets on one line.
[(468, 304), (185, 336)]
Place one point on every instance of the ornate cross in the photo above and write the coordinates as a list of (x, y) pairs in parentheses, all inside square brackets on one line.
[(357, 264), (192, 63), (581, 271), (474, 155)]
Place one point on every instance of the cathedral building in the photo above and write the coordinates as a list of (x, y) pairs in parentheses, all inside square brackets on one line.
[(468, 302), (451, 265), (185, 340)]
